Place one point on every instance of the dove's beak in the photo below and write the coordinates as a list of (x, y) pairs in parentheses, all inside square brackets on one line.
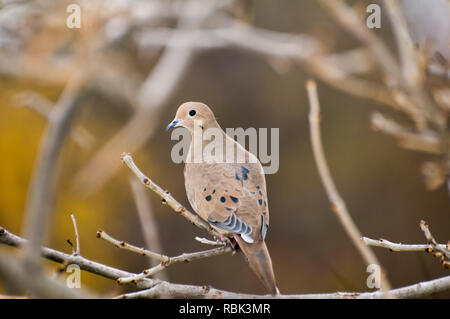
[(172, 124)]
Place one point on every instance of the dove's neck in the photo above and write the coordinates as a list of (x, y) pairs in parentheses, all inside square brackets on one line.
[(213, 145), (207, 144)]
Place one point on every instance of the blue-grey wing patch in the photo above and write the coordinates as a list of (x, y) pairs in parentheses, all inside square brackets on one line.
[(234, 225)]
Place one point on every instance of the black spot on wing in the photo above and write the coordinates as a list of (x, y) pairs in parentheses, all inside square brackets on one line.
[(234, 199), (245, 173)]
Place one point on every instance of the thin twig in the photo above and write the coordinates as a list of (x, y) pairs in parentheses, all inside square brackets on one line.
[(439, 250), (442, 252), (210, 242), (165, 261), (124, 245), (185, 257), (77, 238), (384, 243), (338, 204), (168, 198)]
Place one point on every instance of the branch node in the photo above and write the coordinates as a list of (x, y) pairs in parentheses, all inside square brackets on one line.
[(99, 233)]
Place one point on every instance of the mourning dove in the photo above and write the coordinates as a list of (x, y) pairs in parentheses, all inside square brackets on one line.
[(229, 194)]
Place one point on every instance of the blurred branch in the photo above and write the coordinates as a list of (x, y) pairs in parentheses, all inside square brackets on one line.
[(18, 279), (153, 94), (42, 186), (147, 221), (338, 204), (425, 141), (267, 43), (180, 46), (411, 74), (43, 107), (164, 289), (350, 21)]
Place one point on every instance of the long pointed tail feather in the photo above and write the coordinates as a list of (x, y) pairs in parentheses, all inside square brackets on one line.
[(259, 259)]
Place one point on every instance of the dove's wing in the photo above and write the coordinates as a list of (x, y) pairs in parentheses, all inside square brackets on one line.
[(231, 197)]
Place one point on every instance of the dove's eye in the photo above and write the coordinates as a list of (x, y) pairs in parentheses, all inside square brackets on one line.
[(192, 113)]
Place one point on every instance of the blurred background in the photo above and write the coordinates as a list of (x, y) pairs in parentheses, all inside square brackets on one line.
[(141, 73)]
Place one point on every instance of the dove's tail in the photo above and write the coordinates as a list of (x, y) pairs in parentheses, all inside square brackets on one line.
[(259, 259)]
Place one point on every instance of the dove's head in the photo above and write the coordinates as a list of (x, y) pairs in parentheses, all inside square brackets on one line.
[(193, 114)]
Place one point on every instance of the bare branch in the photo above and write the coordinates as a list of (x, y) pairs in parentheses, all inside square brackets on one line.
[(338, 204), (170, 290), (164, 289), (121, 244), (442, 252), (439, 250), (168, 198), (10, 239), (384, 243), (210, 242), (185, 257)]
